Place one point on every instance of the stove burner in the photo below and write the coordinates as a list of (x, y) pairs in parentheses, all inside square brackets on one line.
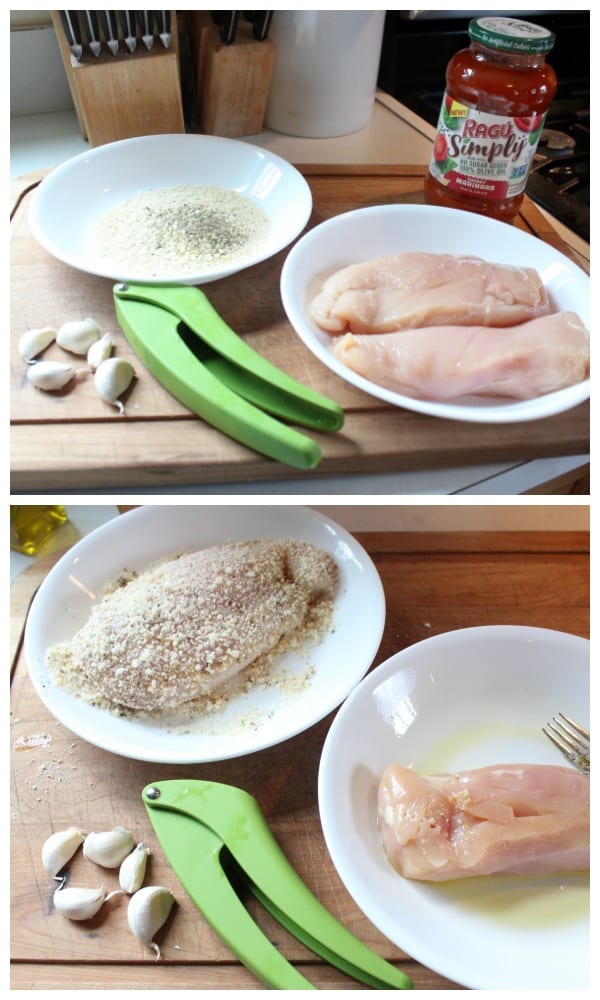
[(552, 139), (560, 178)]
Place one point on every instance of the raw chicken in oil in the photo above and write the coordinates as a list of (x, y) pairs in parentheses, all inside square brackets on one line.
[(514, 819)]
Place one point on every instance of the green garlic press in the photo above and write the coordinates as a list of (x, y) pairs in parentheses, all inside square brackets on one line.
[(188, 347), (215, 835)]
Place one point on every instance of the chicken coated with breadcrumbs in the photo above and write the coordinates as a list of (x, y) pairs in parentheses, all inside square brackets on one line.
[(181, 628)]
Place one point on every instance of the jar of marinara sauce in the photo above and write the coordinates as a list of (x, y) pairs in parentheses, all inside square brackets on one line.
[(497, 94)]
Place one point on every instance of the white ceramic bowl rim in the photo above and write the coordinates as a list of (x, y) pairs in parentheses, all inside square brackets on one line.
[(67, 204), (466, 698), (378, 230), (142, 536)]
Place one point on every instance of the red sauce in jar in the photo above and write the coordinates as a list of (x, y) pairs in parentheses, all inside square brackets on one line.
[(497, 94)]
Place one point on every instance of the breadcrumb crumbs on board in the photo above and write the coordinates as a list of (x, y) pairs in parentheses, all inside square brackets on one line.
[(183, 229), (33, 740), (270, 596)]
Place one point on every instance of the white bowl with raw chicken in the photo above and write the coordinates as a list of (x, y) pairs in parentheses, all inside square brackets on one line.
[(360, 236), (458, 701)]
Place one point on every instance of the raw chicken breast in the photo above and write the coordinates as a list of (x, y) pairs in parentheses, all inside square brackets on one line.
[(445, 362), (181, 628), (410, 290), (514, 819)]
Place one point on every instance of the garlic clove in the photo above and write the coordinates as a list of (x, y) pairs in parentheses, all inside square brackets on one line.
[(109, 848), (147, 911), (112, 378), (133, 869), (79, 904), (100, 351), (33, 342), (59, 848), (78, 335), (50, 375)]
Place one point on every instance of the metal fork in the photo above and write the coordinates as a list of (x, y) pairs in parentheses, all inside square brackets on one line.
[(571, 739)]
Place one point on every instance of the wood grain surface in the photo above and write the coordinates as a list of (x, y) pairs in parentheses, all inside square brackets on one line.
[(433, 583), (136, 94), (72, 440)]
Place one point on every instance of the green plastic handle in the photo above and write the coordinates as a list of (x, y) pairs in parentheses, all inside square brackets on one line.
[(153, 335), (236, 819), (269, 385), (193, 851), (265, 395)]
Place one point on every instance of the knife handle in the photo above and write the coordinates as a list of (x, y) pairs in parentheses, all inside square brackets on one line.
[(70, 22), (261, 24), (227, 21), (163, 21), (260, 21), (128, 23), (146, 25), (110, 29), (92, 31)]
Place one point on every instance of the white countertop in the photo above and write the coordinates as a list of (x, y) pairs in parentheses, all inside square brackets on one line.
[(358, 517), (393, 135)]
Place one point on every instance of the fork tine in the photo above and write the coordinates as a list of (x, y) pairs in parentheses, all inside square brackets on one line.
[(574, 725), (571, 739), (553, 734), (573, 734)]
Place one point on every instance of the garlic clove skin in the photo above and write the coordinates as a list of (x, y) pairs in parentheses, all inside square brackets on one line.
[(147, 911), (59, 848), (33, 342), (78, 335), (100, 351), (133, 869), (108, 849), (79, 904), (112, 378), (50, 375)]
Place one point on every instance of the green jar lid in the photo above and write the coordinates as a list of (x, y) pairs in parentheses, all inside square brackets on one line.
[(511, 35)]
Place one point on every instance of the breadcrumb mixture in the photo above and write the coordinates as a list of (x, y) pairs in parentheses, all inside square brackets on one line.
[(187, 228), (192, 632)]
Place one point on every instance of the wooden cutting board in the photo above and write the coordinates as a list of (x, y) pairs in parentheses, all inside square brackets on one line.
[(434, 582), (75, 441)]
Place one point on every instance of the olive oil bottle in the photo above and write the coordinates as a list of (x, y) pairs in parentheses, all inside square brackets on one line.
[(31, 527)]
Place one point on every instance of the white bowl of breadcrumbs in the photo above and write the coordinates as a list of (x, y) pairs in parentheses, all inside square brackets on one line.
[(170, 208)]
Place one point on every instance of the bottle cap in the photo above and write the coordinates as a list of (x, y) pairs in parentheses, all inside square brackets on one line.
[(511, 35)]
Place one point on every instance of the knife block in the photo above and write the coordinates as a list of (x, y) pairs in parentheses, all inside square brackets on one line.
[(127, 95), (232, 82)]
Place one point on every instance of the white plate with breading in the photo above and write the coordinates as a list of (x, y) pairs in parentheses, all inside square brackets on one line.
[(300, 688)]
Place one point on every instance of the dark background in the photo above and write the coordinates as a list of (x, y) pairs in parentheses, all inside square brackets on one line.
[(417, 50), (417, 47)]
